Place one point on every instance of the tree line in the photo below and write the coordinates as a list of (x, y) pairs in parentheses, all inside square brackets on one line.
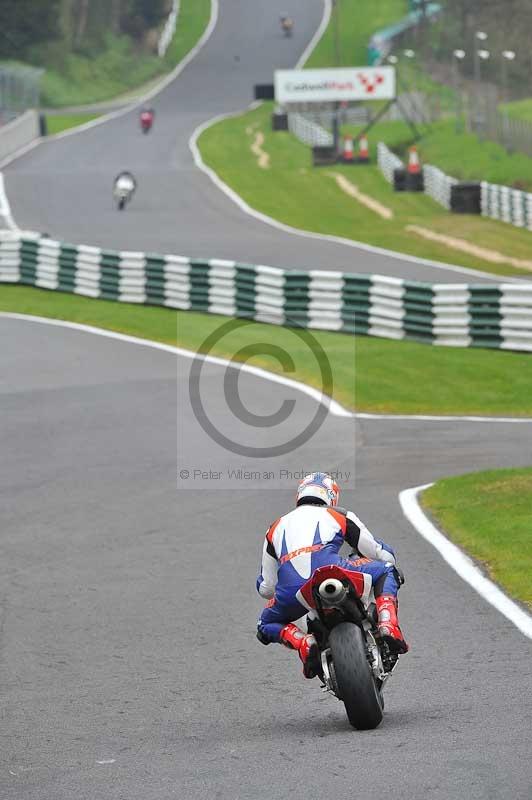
[(81, 25)]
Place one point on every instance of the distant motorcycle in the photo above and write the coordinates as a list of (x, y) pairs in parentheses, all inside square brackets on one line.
[(147, 115), (355, 660), (287, 26), (123, 190)]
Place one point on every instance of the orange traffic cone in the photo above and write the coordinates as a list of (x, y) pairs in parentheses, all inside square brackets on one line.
[(414, 167), (348, 148), (363, 149)]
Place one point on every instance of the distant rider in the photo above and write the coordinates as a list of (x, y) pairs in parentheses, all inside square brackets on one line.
[(125, 183), (124, 188), (309, 537), (287, 24), (147, 115)]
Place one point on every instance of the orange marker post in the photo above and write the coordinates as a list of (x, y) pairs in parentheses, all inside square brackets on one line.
[(414, 167), (363, 149), (348, 149)]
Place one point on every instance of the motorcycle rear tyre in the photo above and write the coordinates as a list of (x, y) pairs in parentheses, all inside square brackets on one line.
[(121, 203), (356, 684)]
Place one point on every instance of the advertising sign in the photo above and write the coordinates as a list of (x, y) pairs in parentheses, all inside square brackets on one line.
[(332, 85)]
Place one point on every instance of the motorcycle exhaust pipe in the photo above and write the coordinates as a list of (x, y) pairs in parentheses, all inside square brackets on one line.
[(332, 592)]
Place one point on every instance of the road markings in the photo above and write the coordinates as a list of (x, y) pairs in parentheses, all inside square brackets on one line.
[(461, 563), (107, 761), (442, 418), (334, 407), (5, 209)]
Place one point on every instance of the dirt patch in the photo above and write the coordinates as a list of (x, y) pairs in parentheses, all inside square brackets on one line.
[(493, 256), (364, 199), (263, 158)]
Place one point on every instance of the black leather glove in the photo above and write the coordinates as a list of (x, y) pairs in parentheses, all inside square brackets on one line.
[(399, 574), (262, 638)]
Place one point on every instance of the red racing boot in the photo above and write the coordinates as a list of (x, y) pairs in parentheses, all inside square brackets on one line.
[(305, 644), (389, 624)]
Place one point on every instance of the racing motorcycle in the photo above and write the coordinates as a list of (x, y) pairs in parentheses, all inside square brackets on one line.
[(287, 26), (146, 120), (124, 189), (355, 662)]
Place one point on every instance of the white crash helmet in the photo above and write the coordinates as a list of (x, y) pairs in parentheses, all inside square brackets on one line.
[(319, 486)]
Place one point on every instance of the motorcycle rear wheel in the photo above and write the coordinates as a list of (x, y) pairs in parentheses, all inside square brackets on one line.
[(356, 684)]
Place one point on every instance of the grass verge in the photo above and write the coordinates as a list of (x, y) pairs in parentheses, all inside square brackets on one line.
[(292, 191), (488, 514), (461, 155), (80, 79), (57, 123), (382, 376)]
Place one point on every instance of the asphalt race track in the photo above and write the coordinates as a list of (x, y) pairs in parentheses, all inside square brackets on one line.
[(129, 668), (129, 609), (64, 187)]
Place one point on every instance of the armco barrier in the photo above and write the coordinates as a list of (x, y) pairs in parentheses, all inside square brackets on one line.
[(438, 185), (308, 131), (461, 198), (387, 161), (506, 204), (458, 315), (18, 133)]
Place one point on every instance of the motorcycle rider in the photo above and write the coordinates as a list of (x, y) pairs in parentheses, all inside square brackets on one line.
[(147, 115), (309, 537), (287, 24), (124, 184)]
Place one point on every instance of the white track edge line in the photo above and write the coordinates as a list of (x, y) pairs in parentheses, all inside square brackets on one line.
[(462, 564), (333, 406), (443, 418), (311, 46), (5, 208)]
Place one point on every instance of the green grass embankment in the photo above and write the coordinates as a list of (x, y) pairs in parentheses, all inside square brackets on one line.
[(489, 515), (389, 377), (461, 155), (292, 191), (76, 79), (57, 123)]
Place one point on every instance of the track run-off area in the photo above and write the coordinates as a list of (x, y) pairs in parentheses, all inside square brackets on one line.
[(128, 663)]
